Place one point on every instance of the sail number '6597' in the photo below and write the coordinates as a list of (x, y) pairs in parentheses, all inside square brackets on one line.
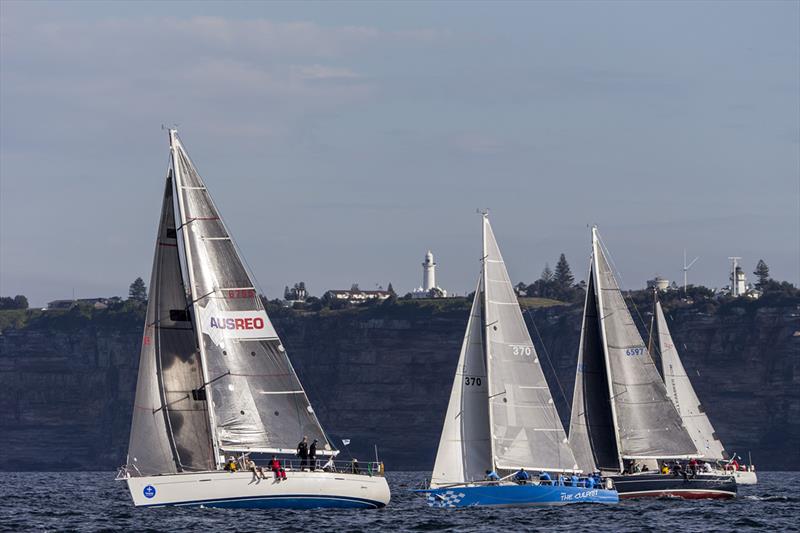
[(634, 351), (521, 349)]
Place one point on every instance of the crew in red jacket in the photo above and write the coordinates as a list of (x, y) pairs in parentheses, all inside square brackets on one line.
[(280, 473)]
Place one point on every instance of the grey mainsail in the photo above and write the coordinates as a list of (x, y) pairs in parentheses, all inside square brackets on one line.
[(525, 428), (257, 401), (647, 423), (591, 432), (682, 394), (170, 431), (464, 450)]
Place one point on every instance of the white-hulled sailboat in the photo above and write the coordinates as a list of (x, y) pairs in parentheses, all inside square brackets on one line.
[(501, 415), (214, 379), (695, 419)]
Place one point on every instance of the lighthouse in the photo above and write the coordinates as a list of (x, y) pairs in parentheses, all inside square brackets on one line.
[(428, 272), (429, 289)]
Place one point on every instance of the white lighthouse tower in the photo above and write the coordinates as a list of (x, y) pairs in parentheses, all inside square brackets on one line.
[(428, 272), (429, 289)]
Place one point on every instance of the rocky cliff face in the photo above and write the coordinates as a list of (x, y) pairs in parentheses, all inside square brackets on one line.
[(383, 376)]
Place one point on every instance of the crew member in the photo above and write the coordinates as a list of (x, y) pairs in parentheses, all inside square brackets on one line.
[(302, 452), (312, 455), (522, 477), (277, 469)]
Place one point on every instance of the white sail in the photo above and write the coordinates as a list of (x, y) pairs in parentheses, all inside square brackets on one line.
[(257, 401), (526, 430), (648, 425), (464, 450), (682, 394)]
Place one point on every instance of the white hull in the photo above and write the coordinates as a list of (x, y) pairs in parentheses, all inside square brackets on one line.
[(242, 489), (742, 477)]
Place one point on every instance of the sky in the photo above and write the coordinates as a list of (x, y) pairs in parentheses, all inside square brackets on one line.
[(341, 141)]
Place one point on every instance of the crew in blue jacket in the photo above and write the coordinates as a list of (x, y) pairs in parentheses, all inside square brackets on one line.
[(491, 475), (522, 476), (545, 479)]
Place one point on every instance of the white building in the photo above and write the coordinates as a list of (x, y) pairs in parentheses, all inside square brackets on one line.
[(429, 289), (659, 283)]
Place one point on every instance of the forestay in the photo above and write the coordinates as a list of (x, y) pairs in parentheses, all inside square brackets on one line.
[(682, 394), (258, 402), (525, 428), (464, 450), (648, 424)]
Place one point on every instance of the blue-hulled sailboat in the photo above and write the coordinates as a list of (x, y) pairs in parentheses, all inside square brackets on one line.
[(501, 416)]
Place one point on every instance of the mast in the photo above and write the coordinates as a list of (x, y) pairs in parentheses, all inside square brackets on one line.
[(190, 272), (599, 295), (484, 337)]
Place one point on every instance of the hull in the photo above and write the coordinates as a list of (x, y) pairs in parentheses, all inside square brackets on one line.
[(743, 477), (515, 495), (301, 490), (703, 486)]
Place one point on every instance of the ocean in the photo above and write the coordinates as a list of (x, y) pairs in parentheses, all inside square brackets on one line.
[(93, 501)]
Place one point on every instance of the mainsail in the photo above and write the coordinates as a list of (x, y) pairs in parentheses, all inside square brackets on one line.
[(645, 422), (213, 374), (464, 449), (682, 394), (258, 402), (525, 428)]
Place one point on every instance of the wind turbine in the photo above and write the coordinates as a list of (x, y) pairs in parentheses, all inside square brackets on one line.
[(686, 268)]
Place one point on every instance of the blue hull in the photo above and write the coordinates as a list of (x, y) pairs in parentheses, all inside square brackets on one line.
[(284, 502), (516, 495)]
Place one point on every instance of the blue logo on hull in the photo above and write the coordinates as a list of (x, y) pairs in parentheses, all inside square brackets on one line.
[(149, 491)]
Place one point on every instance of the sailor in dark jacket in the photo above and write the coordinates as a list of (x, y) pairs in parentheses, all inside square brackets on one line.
[(302, 452), (312, 455)]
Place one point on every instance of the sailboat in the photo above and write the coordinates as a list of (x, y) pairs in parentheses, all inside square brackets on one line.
[(622, 422), (215, 385), (683, 396), (501, 416)]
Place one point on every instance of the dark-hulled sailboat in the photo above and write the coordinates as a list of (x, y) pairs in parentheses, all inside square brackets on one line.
[(621, 414)]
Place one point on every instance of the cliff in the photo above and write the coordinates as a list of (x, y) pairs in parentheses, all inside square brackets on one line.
[(382, 375)]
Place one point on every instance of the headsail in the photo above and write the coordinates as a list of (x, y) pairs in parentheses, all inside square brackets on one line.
[(591, 431), (151, 449), (525, 428), (257, 401), (464, 449), (682, 394), (647, 422)]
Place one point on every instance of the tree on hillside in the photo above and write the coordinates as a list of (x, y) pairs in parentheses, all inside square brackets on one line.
[(138, 291), (547, 274), (20, 301), (563, 275), (390, 289), (762, 273), (17, 302)]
